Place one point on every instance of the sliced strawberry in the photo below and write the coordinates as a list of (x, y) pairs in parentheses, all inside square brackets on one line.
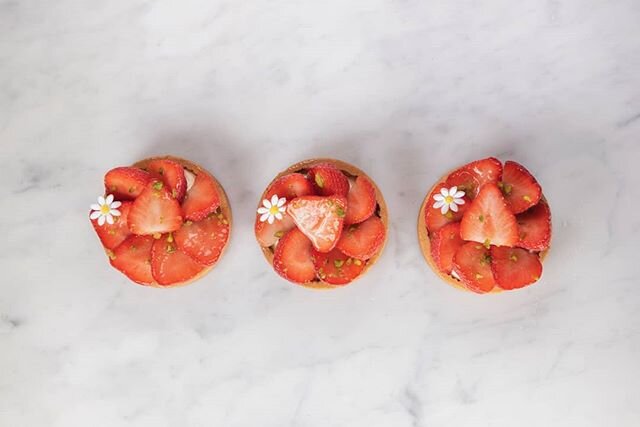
[(319, 218), (520, 188), (201, 199), (361, 201), (111, 235), (328, 180), (534, 227), (126, 183), (486, 170), (268, 234), (203, 240), (434, 218), (444, 244), (290, 186), (472, 264), (133, 258), (154, 211), (172, 174), (362, 241), (337, 268), (514, 267), (170, 265), (489, 220), (466, 181), (292, 257)]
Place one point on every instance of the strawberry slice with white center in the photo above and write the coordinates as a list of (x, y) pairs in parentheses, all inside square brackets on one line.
[(155, 211), (520, 188), (534, 227), (172, 174), (514, 267), (111, 235), (361, 201), (327, 180), (126, 183), (488, 220), (363, 241), (201, 199), (133, 258), (319, 218), (290, 186), (444, 245), (169, 265), (292, 258), (203, 240), (337, 268), (472, 264), (485, 170), (434, 218), (269, 234)]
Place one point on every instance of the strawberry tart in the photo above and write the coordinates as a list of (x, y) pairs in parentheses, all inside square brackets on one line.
[(322, 223), (486, 227), (163, 222)]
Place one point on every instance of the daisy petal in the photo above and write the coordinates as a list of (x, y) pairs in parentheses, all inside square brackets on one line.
[(266, 203), (116, 205), (444, 209), (438, 204), (282, 201), (263, 210), (101, 220), (453, 207), (274, 200), (453, 190), (109, 199), (115, 212), (278, 216), (438, 197), (458, 201), (271, 218), (94, 215), (458, 195), (282, 209), (109, 219), (444, 192), (100, 200), (264, 217), (95, 207)]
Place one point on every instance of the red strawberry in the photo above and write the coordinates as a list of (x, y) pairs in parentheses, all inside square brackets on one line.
[(172, 174), (201, 199), (290, 186), (133, 258), (444, 244), (361, 201), (126, 183), (534, 227), (485, 170), (268, 234), (472, 264), (520, 188), (292, 257), (170, 265), (111, 235), (337, 268), (319, 218), (434, 217), (514, 267), (203, 240), (328, 180), (362, 241), (466, 181), (154, 211), (488, 220)]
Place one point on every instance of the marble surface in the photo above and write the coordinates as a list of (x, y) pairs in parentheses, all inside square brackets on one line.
[(405, 89)]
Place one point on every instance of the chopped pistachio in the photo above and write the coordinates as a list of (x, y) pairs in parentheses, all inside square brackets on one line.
[(481, 218), (158, 185), (338, 263), (357, 262), (319, 180), (340, 212), (513, 257), (487, 243), (170, 238), (278, 234), (527, 198)]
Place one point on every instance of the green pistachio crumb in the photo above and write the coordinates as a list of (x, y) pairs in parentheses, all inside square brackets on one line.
[(340, 212), (158, 185), (319, 180), (481, 218), (527, 198), (278, 234), (357, 262), (338, 263)]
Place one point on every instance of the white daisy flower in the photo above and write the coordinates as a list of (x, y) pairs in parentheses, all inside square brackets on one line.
[(105, 210), (448, 199), (272, 210)]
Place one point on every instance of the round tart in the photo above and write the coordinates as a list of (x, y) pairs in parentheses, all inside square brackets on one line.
[(486, 227), (322, 223), (163, 222)]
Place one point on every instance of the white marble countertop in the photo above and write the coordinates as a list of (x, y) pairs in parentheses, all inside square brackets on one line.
[(405, 89)]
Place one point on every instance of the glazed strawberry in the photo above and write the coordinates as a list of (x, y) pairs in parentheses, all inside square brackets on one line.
[(362, 241), (444, 245), (133, 258), (319, 218), (268, 234), (327, 180), (292, 257), (203, 240), (466, 181), (434, 218), (337, 268), (126, 183), (290, 186), (489, 220), (361, 201), (520, 188), (111, 235), (169, 265), (534, 227), (154, 211), (486, 170), (514, 267), (172, 174), (472, 264), (201, 199)]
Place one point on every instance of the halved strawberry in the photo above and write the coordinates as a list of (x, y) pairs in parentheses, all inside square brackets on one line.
[(337, 268), (520, 188), (133, 258), (472, 264), (361, 201), (486, 170), (126, 183), (170, 265), (363, 241), (292, 257), (268, 234), (444, 244), (319, 218), (328, 180), (290, 186), (434, 218), (534, 227), (488, 220), (514, 267), (111, 235), (201, 199), (466, 181), (203, 240), (154, 211), (172, 174)]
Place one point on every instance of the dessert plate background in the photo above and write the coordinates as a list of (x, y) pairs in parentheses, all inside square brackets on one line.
[(405, 91)]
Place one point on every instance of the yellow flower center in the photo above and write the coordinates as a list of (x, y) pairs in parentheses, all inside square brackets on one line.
[(274, 210), (448, 200), (104, 209)]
